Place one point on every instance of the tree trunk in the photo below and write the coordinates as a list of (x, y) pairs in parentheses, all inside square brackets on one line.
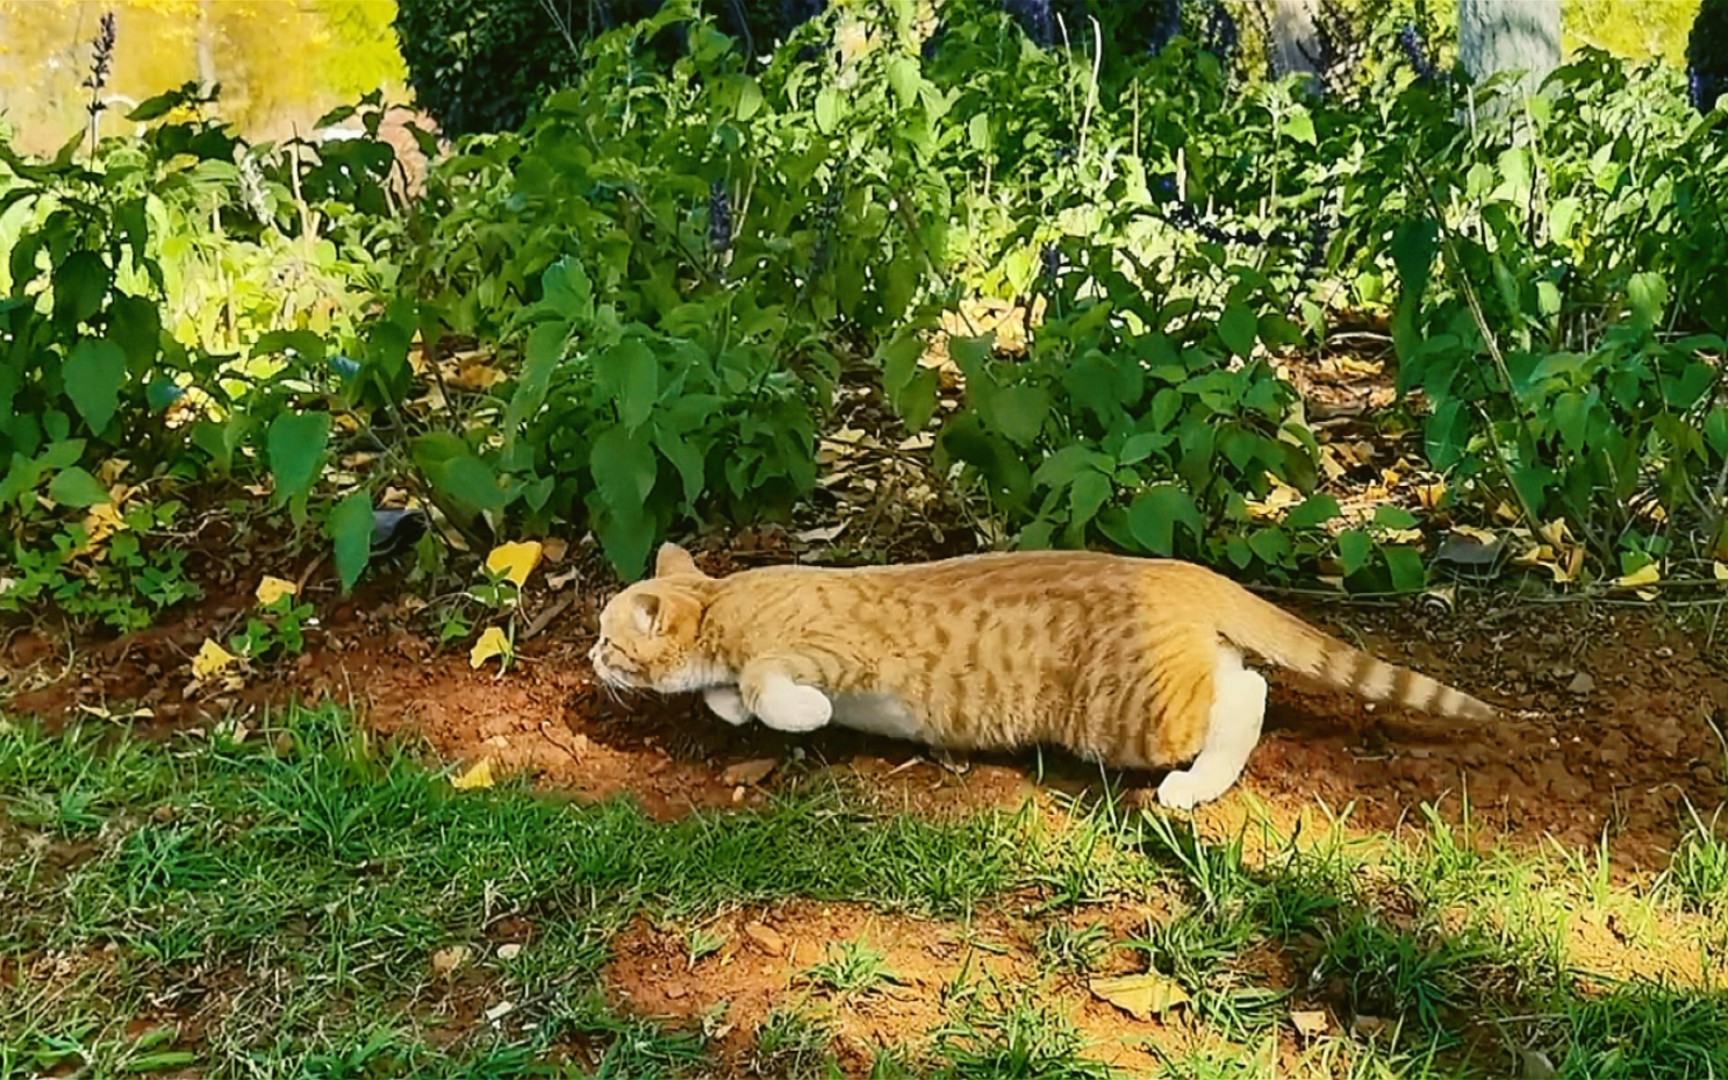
[(1496, 36), (1295, 40), (206, 50)]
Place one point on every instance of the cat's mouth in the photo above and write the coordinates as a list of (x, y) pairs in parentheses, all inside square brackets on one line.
[(611, 676)]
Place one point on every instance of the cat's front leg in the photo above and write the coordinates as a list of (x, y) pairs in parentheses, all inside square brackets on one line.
[(769, 690), (726, 703)]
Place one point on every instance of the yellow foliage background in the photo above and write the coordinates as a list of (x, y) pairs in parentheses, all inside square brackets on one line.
[(281, 63)]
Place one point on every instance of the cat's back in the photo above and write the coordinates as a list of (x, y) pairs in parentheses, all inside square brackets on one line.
[(1006, 581)]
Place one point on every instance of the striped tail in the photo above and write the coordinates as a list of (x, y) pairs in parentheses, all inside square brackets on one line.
[(1269, 631)]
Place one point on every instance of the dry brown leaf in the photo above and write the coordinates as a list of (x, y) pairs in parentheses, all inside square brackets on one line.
[(1140, 996)]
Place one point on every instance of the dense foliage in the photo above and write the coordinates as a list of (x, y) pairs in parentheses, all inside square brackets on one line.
[(482, 65), (674, 261)]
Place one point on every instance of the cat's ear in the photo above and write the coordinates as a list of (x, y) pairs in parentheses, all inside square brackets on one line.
[(673, 559), (667, 614)]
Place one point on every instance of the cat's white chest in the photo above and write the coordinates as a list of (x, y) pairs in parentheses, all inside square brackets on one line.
[(877, 714)]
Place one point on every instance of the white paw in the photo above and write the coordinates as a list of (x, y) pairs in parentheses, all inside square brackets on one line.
[(1187, 789), (790, 707), (726, 703)]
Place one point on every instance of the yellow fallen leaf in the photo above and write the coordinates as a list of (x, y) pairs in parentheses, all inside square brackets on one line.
[(1719, 570), (492, 643), (1140, 996), (515, 560), (478, 776), (272, 589), (1648, 574), (211, 659), (100, 522), (1429, 495), (1470, 532)]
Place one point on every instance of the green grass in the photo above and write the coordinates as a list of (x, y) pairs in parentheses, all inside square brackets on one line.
[(271, 907), (851, 967)]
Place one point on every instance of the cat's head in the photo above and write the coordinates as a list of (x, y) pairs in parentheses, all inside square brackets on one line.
[(648, 631)]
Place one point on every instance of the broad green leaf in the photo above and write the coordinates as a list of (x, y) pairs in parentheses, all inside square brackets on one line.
[(469, 481), (1562, 217), (1446, 433), (1389, 516), (624, 468), (1404, 566), (904, 77), (94, 374), (294, 447), (1091, 490), (1548, 299), (692, 470), (749, 97), (75, 487), (1354, 547), (1646, 294), (1019, 412), (910, 385), (1155, 513), (135, 325), (978, 132), (350, 529), (1716, 429), (1272, 544), (541, 355), (1299, 125), (1571, 419), (80, 283), (630, 371), (1314, 510), (1414, 244), (827, 110), (1238, 327), (565, 289)]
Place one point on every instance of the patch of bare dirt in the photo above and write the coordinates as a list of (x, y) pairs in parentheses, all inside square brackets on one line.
[(764, 965), (1610, 727)]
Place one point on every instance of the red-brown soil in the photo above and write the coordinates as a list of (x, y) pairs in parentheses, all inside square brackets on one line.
[(1611, 729)]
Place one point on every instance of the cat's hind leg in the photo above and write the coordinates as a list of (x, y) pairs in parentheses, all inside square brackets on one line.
[(1233, 729), (769, 690)]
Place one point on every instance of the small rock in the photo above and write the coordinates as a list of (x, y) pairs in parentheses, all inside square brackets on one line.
[(163, 813), (675, 990), (766, 938), (1309, 1023), (499, 1011), (509, 951), (749, 772), (1581, 684), (447, 960), (1367, 1026)]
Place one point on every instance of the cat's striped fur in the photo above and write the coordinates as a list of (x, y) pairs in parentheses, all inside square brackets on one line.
[(1133, 662)]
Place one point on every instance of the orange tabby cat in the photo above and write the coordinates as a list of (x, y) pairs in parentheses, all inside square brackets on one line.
[(1131, 662)]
